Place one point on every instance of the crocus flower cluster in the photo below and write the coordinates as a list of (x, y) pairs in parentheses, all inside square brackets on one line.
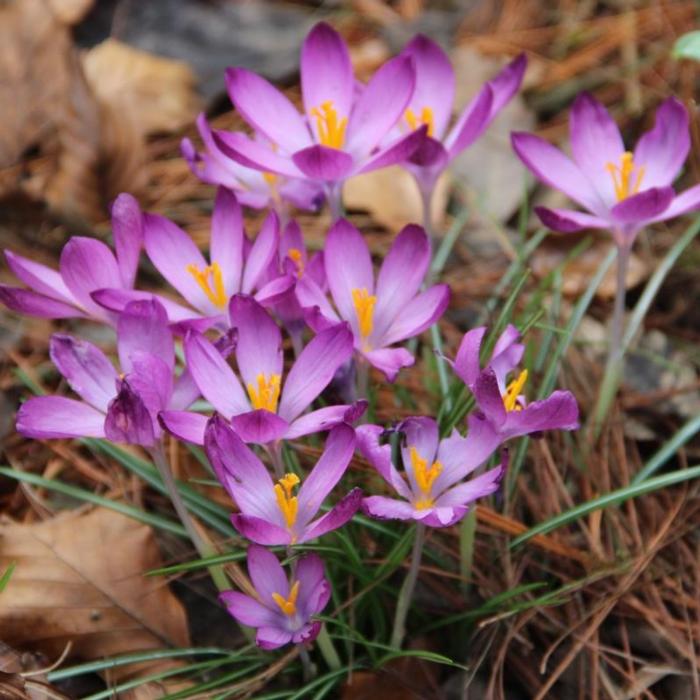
[(206, 361)]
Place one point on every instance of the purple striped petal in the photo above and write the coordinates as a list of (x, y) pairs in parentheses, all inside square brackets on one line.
[(322, 420), (247, 610), (379, 456), (117, 299), (86, 368), (418, 314), (226, 247), (685, 202), (314, 369), (184, 425), (314, 590), (267, 110), (269, 638), (24, 301), (261, 531), (39, 278), (383, 508), (215, 379), (468, 492), (399, 151), (152, 379), (488, 397), (143, 328), (467, 365), (253, 154), (507, 83), (266, 574), (472, 122), (326, 72), (310, 296), (323, 163), (390, 360), (127, 229), (338, 516), (129, 420), (557, 412), (260, 427), (50, 417), (663, 150), (642, 206), (569, 221), (261, 254)]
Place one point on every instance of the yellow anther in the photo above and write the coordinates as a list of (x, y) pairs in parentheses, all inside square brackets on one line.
[(214, 289), (298, 259), (426, 117), (271, 179), (266, 394), (364, 308), (288, 605), (424, 504), (331, 130), (622, 176), (287, 503), (425, 477), (513, 390)]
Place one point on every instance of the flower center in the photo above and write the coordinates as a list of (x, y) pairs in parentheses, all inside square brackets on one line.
[(622, 176), (425, 478), (513, 390), (271, 179), (364, 303), (426, 117), (266, 394), (331, 130), (211, 281), (297, 258), (288, 504), (288, 605)]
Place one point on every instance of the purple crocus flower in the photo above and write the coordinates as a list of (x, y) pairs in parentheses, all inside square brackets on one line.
[(270, 512), (433, 491), (342, 126), (620, 190), (282, 610), (252, 187), (122, 407), (502, 402), (382, 313), (431, 105), (86, 264), (269, 408)]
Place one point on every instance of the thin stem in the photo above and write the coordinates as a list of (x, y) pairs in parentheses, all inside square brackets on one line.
[(275, 452), (307, 666), (334, 195), (406, 594), (203, 548), (361, 378), (327, 649), (426, 198)]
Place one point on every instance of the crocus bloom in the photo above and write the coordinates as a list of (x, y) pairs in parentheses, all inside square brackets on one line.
[(503, 403), (431, 105), (620, 190), (270, 512), (252, 187), (380, 314), (208, 287), (269, 408), (341, 127), (433, 491), (86, 264), (283, 610)]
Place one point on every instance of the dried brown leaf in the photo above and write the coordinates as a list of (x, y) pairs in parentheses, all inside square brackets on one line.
[(71, 11), (80, 579)]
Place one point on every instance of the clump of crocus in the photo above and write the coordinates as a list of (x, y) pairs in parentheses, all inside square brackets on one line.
[(431, 106), (283, 609), (621, 191), (273, 512), (234, 266), (269, 408), (252, 187), (86, 265), (433, 491), (380, 313), (503, 402), (121, 406), (342, 126)]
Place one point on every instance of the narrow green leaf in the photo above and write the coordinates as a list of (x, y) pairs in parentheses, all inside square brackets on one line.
[(5, 578)]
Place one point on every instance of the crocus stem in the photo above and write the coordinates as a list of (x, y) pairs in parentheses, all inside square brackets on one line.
[(334, 194), (614, 364), (467, 534), (203, 548), (306, 664), (406, 593), (426, 198), (275, 452), (361, 378), (327, 649)]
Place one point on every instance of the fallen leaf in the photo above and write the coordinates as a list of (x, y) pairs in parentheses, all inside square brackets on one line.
[(392, 198), (71, 11), (80, 579)]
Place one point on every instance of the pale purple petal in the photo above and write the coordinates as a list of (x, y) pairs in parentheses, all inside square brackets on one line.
[(143, 328), (185, 425), (215, 379), (338, 516), (261, 531), (326, 72), (86, 368), (343, 244), (384, 508), (309, 572), (422, 434), (471, 123), (269, 638), (39, 277), (274, 291), (642, 206), (682, 204), (318, 421), (323, 163), (336, 456), (247, 610), (551, 166), (267, 110), (483, 485), (435, 81), (226, 247), (595, 143), (260, 427), (314, 369), (557, 412), (49, 417), (507, 83), (379, 456), (467, 365), (489, 399), (389, 360), (25, 301), (663, 150), (381, 105), (127, 229), (152, 379), (117, 299), (310, 296), (568, 220), (129, 420), (398, 151), (261, 254), (185, 391), (86, 265), (266, 574), (417, 315)]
